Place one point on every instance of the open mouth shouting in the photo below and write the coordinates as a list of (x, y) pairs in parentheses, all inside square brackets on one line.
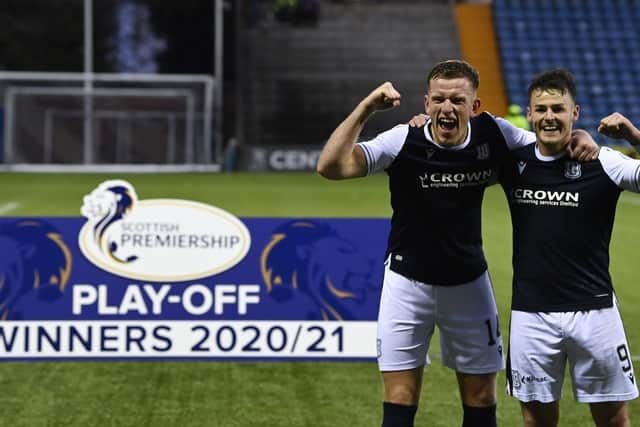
[(447, 123), (446, 129)]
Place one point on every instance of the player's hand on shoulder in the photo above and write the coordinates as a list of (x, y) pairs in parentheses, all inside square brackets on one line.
[(582, 146), (418, 120), (617, 126), (383, 97)]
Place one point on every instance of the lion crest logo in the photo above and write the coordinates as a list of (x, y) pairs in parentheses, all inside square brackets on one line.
[(309, 259), (35, 262), (111, 202)]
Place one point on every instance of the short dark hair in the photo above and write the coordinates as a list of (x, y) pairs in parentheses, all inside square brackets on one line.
[(556, 79), (453, 69)]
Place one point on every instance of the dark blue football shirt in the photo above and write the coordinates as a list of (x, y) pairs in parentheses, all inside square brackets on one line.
[(562, 213)]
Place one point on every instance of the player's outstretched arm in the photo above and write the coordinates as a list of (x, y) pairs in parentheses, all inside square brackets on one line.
[(341, 157), (582, 147), (619, 127)]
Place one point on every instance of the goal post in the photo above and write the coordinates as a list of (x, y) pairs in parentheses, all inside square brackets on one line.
[(131, 122)]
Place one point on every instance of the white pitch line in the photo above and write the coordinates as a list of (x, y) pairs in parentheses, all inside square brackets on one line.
[(8, 207)]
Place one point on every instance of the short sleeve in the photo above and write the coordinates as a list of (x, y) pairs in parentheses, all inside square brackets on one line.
[(383, 149), (515, 136), (622, 170)]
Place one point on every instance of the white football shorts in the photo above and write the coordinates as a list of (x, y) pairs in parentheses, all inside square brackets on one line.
[(593, 342), (466, 316)]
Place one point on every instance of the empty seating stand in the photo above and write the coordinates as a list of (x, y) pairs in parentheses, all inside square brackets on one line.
[(300, 81), (597, 40)]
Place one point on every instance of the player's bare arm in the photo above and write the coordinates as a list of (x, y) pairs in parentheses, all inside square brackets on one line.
[(619, 127), (341, 157)]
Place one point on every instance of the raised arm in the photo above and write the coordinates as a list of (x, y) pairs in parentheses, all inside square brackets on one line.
[(341, 157), (619, 127)]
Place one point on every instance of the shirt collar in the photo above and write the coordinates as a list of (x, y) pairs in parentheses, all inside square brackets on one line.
[(544, 158)]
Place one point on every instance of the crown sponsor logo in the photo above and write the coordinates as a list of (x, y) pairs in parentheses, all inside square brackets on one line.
[(455, 179), (540, 197)]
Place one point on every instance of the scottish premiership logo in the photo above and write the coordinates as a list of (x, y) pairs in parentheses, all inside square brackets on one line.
[(107, 205), (162, 240)]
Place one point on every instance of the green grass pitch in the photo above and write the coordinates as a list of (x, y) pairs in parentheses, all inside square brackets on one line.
[(234, 394)]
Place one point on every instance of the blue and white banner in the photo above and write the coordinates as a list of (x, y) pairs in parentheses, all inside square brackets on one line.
[(177, 279)]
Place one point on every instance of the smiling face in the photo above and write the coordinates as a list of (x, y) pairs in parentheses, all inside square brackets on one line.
[(450, 103), (552, 113)]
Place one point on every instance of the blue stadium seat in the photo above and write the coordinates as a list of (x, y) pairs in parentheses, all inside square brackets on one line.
[(596, 39)]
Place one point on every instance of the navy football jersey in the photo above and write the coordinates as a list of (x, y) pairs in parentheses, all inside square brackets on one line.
[(562, 213), (436, 196)]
